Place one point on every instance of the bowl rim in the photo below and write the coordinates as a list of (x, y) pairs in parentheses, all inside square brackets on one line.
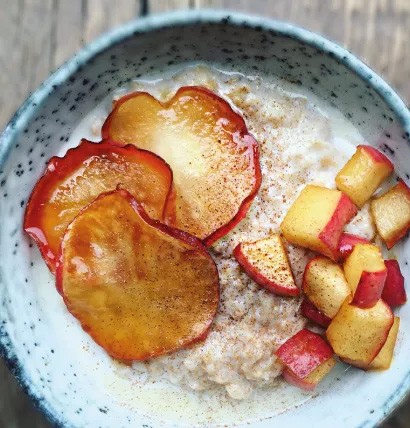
[(181, 18)]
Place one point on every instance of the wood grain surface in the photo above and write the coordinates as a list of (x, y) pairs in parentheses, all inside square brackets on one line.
[(36, 36)]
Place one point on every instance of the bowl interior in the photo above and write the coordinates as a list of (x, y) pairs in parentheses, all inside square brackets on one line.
[(71, 378)]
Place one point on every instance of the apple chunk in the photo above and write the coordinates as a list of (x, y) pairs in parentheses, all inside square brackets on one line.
[(347, 243), (304, 352), (138, 287), (363, 174), (214, 158), (316, 219), (310, 382), (385, 356), (325, 285), (391, 214), (394, 293), (76, 179), (312, 313), (357, 335), (365, 273), (266, 262)]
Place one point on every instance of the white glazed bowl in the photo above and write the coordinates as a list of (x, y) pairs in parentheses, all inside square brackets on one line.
[(72, 380)]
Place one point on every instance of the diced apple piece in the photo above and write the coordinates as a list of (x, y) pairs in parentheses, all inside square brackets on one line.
[(312, 313), (365, 273), (304, 352), (325, 285), (214, 158), (394, 293), (137, 286), (347, 243), (363, 174), (76, 179), (310, 382), (385, 356), (316, 219), (357, 335), (266, 262), (391, 214)]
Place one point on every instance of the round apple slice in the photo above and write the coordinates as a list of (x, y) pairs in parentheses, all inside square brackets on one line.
[(73, 181), (138, 287), (214, 159)]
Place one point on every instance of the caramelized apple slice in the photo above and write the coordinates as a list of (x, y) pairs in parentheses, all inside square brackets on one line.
[(304, 352), (325, 285), (138, 287), (347, 242), (385, 356), (394, 293), (312, 313), (357, 335), (317, 218), (363, 174), (310, 382), (391, 214), (266, 262), (73, 181), (214, 159), (365, 273)]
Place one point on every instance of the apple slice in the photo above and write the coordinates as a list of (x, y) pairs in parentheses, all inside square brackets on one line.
[(365, 273), (325, 285), (73, 181), (316, 219), (394, 293), (310, 382), (304, 352), (385, 356), (312, 313), (138, 287), (266, 262), (363, 174), (214, 159), (357, 335), (391, 214), (347, 243)]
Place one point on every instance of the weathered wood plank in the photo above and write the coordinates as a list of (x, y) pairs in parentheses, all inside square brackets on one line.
[(26, 50), (10, 59), (101, 15), (68, 29), (156, 6)]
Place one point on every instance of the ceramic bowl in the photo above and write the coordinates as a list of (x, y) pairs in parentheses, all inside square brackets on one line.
[(73, 381)]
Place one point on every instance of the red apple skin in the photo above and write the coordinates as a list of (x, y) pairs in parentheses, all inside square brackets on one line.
[(289, 377), (312, 313), (394, 293), (369, 290), (347, 243), (343, 213), (260, 279), (377, 156), (304, 352)]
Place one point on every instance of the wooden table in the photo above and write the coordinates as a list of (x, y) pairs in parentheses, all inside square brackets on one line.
[(36, 36)]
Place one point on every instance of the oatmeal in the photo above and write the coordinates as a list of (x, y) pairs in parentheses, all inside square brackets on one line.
[(299, 144)]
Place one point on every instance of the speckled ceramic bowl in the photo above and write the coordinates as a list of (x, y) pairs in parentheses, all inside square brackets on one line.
[(71, 379)]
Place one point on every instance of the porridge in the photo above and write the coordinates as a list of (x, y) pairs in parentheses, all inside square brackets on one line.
[(297, 146)]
